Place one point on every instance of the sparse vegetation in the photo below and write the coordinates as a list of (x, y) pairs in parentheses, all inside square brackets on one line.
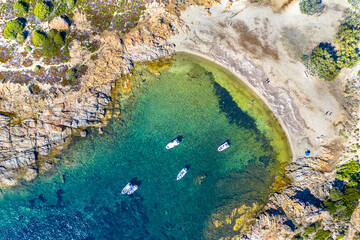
[(312, 228), (311, 7), (297, 237), (354, 3), (34, 89), (42, 10), (322, 235), (13, 27), (348, 170), (70, 3), (20, 8)]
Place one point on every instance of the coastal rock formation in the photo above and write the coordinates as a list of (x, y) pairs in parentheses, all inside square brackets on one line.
[(299, 204), (34, 125), (24, 140)]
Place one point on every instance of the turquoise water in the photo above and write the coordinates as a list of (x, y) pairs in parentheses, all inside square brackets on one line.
[(83, 200)]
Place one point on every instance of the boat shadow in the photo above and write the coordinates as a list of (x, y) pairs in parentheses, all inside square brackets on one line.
[(178, 138), (135, 181)]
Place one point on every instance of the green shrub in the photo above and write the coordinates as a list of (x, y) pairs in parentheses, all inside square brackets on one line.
[(60, 9), (34, 89), (48, 48), (28, 49), (324, 63), (37, 68), (21, 8), (297, 237), (343, 206), (354, 3), (59, 39), (348, 170), (335, 194), (52, 33), (71, 3), (20, 38), (347, 39), (38, 38), (311, 7), (42, 10), (312, 228), (340, 236), (322, 235), (13, 27)]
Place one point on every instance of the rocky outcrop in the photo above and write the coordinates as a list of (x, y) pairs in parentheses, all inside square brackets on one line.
[(34, 125), (59, 23), (299, 204), (24, 141)]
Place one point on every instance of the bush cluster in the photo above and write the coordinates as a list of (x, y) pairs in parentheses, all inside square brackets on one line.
[(348, 170), (311, 7), (50, 43), (325, 61), (13, 27), (341, 203)]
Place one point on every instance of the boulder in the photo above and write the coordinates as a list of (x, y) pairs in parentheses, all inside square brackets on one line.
[(60, 23)]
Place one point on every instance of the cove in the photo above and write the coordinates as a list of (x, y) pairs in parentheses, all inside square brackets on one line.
[(188, 97)]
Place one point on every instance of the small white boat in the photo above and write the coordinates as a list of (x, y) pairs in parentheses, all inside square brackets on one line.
[(126, 189), (223, 146), (173, 143), (133, 189), (182, 173)]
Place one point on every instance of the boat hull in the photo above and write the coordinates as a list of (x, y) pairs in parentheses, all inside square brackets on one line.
[(126, 189), (173, 144), (223, 146), (181, 174)]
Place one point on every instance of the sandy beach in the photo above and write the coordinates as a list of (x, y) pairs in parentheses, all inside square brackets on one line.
[(256, 44)]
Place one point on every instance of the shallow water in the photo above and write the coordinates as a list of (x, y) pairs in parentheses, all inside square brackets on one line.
[(84, 200)]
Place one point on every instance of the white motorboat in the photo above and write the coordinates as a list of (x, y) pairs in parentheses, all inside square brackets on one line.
[(173, 143), (126, 189), (132, 189), (182, 173), (223, 146)]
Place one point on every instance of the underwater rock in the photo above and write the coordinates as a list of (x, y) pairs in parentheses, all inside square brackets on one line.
[(199, 179)]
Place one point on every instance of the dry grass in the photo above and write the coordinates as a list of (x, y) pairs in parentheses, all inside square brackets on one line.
[(251, 42)]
